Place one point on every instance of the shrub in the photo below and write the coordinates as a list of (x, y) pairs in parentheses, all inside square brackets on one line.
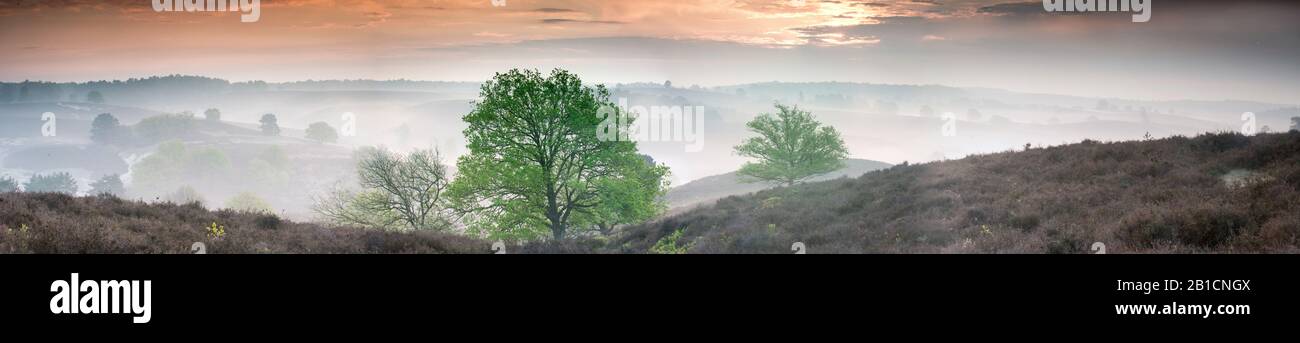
[(111, 184), (165, 127), (668, 244), (268, 222), (61, 224), (322, 132), (186, 195), (7, 184), (52, 183), (248, 202)]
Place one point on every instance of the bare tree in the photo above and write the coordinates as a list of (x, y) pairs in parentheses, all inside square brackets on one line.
[(397, 191)]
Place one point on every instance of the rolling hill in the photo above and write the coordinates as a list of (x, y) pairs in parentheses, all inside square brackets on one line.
[(1215, 193), (712, 188)]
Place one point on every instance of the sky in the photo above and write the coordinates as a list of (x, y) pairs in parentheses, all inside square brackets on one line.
[(1204, 50)]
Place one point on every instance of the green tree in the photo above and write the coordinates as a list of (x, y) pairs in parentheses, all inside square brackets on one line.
[(52, 183), (7, 184), (207, 163), (399, 191), (249, 202), (174, 165), (270, 169), (95, 97), (212, 114), (791, 146), (535, 164), (165, 127), (270, 125), (630, 198), (322, 132), (185, 195), (111, 184), (105, 129)]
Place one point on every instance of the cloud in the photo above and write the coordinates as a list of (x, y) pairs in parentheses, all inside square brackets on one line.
[(578, 21), (554, 10)]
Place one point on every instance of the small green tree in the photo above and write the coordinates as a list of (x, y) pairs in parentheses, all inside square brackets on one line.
[(270, 125), (249, 202), (105, 129), (212, 114), (791, 147), (52, 183), (322, 132), (7, 184), (165, 127), (185, 195), (111, 185), (95, 97)]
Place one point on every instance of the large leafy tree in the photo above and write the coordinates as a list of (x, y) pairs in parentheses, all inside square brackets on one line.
[(791, 146), (535, 165)]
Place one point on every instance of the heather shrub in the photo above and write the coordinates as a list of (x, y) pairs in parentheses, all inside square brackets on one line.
[(58, 223), (1157, 195)]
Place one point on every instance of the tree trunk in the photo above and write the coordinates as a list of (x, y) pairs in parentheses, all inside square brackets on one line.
[(557, 229)]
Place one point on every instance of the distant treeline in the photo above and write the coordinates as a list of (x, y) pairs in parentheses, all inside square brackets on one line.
[(185, 85)]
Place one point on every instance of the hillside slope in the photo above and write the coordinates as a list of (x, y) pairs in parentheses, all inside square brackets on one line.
[(712, 188), (1212, 193), (49, 223)]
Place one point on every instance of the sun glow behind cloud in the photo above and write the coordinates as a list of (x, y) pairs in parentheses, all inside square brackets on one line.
[(958, 42)]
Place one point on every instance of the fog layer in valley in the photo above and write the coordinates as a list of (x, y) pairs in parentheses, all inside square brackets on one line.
[(224, 158)]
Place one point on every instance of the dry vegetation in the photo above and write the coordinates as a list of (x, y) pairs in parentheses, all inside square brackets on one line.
[(61, 224), (1222, 193)]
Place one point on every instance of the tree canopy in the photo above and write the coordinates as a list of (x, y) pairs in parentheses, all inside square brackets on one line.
[(270, 125), (53, 183), (111, 184), (212, 114), (105, 129), (535, 165), (791, 146), (95, 97), (322, 132)]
